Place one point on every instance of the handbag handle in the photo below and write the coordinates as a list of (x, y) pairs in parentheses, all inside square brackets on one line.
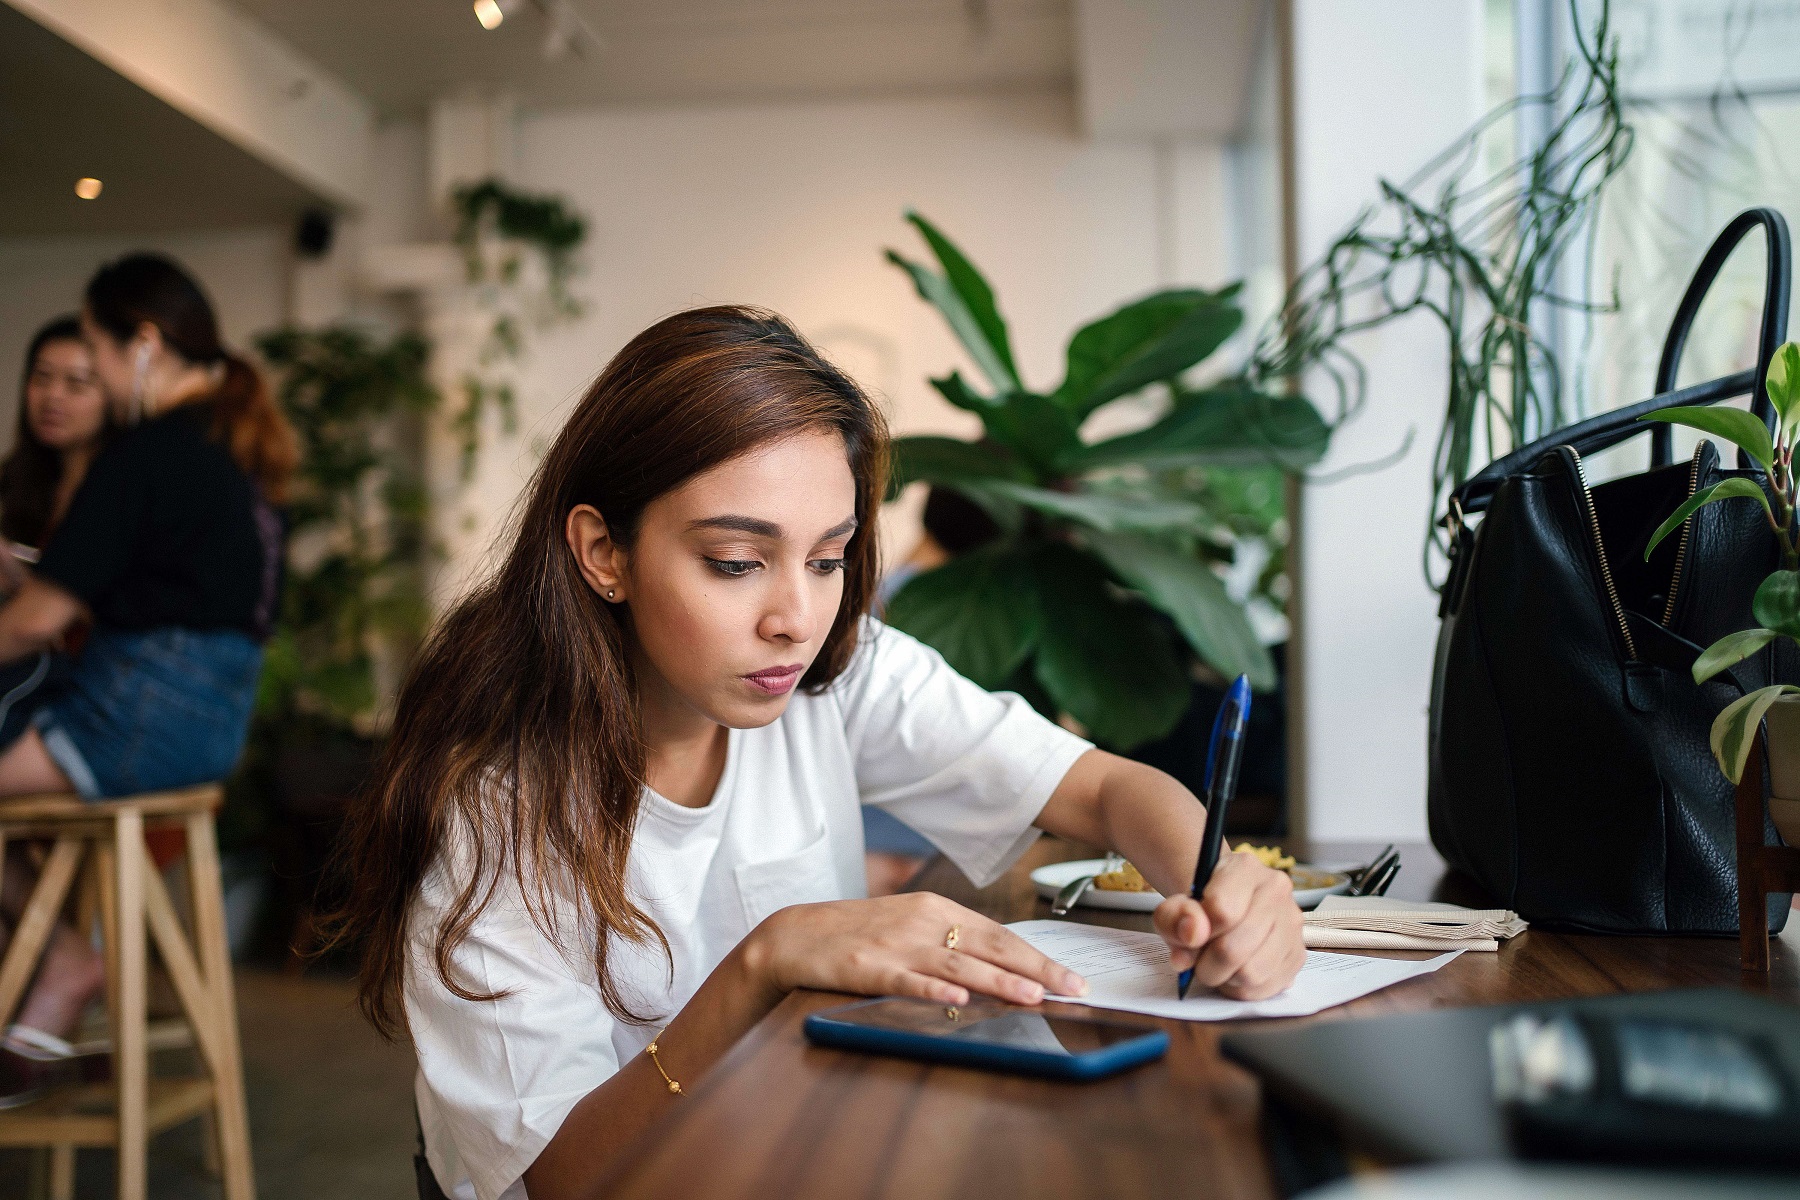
[(1609, 429), (1777, 287)]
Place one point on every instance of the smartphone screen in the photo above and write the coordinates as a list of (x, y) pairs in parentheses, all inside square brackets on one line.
[(990, 1023)]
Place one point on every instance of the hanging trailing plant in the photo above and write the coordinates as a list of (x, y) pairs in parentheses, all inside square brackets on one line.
[(497, 228), (1483, 254)]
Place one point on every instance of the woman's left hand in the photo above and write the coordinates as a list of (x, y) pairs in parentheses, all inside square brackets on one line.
[(1243, 936)]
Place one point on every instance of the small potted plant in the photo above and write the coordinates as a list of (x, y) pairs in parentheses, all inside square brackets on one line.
[(1777, 602)]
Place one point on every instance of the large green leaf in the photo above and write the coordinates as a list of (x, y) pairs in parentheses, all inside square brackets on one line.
[(1105, 661), (1109, 514), (1723, 490), (957, 391), (951, 461), (1143, 343), (976, 294), (1223, 426), (966, 302), (980, 611), (1777, 603), (1734, 730), (1783, 384), (1731, 649), (1735, 425), (1186, 589), (1038, 430)]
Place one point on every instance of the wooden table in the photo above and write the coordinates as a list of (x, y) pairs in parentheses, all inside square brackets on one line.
[(781, 1119)]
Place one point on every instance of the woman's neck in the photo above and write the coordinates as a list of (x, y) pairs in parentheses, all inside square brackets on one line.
[(685, 750), (191, 384)]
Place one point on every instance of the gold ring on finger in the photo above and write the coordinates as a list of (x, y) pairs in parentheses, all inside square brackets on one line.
[(953, 937)]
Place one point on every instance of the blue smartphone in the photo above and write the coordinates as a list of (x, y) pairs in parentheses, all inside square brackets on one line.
[(986, 1033)]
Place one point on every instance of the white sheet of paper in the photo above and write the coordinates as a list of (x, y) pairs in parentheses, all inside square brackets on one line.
[(1130, 971)]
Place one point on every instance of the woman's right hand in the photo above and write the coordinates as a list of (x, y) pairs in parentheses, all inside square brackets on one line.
[(895, 946)]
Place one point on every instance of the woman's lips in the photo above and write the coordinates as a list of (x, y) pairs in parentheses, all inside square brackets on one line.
[(776, 681)]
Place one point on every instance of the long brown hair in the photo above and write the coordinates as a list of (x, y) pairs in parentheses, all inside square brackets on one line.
[(517, 734), (33, 471), (123, 295)]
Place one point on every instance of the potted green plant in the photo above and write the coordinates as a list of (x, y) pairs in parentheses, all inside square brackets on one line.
[(357, 551), (1106, 546), (1777, 602)]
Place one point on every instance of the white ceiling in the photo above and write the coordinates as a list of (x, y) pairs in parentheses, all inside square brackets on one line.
[(64, 115), (402, 53)]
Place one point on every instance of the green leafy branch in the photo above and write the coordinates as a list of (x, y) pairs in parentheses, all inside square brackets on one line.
[(1102, 584), (1777, 602), (356, 523), (495, 225)]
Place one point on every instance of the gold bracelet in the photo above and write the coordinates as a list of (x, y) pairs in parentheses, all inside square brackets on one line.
[(651, 1049)]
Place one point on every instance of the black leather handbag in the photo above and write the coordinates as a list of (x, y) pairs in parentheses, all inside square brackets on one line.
[(1570, 768)]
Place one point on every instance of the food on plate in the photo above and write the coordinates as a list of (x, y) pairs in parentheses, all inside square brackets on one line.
[(1125, 879), (1269, 856)]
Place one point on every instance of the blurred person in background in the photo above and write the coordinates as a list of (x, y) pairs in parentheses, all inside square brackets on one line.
[(62, 423), (172, 548)]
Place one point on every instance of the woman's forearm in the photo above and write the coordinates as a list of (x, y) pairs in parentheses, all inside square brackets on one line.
[(611, 1117), (37, 613), (1141, 812)]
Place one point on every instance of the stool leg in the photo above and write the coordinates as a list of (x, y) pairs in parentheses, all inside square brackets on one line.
[(131, 1065), (62, 1171), (33, 931), (208, 897)]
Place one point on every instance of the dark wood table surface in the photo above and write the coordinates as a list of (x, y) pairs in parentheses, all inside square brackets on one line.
[(780, 1118)]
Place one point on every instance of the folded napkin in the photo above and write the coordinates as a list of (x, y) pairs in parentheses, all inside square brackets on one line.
[(1381, 923)]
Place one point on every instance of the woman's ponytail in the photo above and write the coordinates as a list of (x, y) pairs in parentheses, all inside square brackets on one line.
[(247, 420)]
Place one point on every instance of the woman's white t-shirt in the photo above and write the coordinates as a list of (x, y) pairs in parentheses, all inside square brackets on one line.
[(899, 730)]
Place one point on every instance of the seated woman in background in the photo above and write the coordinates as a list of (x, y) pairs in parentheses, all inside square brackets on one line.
[(62, 422), (622, 788), (172, 548)]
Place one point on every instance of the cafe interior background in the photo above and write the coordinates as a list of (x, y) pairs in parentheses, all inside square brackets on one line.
[(467, 212)]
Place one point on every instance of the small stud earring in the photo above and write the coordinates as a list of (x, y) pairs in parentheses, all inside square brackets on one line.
[(610, 593)]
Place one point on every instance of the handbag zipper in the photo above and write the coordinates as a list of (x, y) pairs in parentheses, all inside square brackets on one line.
[(1687, 529), (1612, 592)]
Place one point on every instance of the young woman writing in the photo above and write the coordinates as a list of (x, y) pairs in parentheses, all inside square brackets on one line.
[(621, 792)]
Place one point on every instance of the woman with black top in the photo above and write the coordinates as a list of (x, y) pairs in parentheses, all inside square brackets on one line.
[(172, 547)]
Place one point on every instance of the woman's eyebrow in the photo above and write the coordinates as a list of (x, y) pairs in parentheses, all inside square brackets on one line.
[(757, 527)]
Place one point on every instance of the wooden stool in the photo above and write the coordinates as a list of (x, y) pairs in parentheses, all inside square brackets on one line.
[(1761, 868), (133, 907)]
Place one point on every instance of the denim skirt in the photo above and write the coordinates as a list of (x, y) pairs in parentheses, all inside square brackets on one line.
[(144, 710)]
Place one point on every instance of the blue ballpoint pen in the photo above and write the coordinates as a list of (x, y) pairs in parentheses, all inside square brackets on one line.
[(1220, 784)]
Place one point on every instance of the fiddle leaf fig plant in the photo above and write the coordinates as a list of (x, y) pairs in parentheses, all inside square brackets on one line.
[(1777, 602), (1101, 588)]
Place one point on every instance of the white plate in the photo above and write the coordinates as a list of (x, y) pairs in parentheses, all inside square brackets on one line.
[(1052, 879)]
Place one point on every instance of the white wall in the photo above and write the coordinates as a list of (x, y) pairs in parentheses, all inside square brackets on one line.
[(244, 272), (1380, 88), (789, 206)]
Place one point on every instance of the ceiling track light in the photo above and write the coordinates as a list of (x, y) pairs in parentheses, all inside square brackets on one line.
[(88, 188), (566, 28), (491, 12)]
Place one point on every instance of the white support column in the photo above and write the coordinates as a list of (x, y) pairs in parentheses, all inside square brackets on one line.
[(1378, 90), (470, 139)]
